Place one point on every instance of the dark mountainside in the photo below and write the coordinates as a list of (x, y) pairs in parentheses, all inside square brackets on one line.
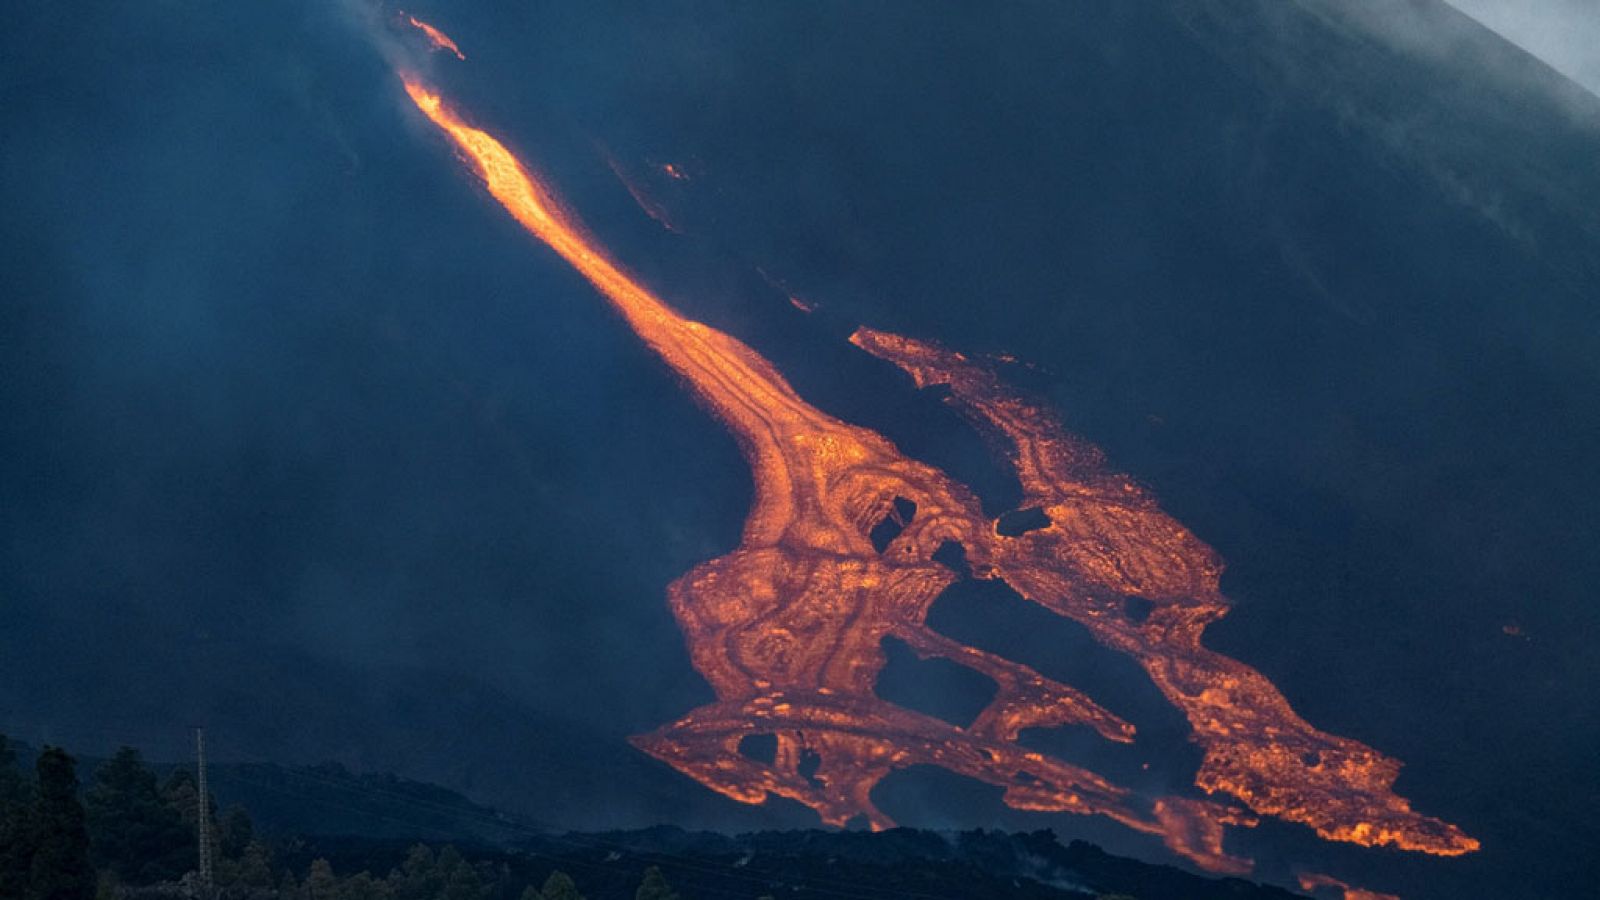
[(329, 799), (898, 863), (130, 830), (300, 440), (367, 822)]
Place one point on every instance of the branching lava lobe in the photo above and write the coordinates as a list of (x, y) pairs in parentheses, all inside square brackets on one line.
[(1107, 539), (788, 627)]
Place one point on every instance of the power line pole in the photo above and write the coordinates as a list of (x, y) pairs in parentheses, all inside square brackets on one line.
[(204, 816)]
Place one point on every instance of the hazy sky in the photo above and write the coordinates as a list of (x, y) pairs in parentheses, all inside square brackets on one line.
[(1563, 33)]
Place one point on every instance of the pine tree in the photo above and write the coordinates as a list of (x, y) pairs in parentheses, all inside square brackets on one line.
[(16, 851), (655, 887), (13, 789), (60, 841), (182, 793), (133, 832), (559, 886), (255, 865), (364, 887), (418, 877), (320, 883), (235, 832), (461, 880)]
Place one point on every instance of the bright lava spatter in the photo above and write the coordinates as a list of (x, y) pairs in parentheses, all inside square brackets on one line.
[(788, 628), (437, 38)]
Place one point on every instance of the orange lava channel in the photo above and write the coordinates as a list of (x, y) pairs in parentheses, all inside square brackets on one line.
[(788, 628), (437, 38)]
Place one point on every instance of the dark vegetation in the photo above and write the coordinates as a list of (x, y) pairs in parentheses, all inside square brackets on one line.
[(130, 832)]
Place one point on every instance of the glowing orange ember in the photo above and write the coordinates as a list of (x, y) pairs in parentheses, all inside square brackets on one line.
[(1310, 881), (788, 628), (437, 38)]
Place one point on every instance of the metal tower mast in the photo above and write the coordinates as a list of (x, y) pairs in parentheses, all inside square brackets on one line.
[(204, 816)]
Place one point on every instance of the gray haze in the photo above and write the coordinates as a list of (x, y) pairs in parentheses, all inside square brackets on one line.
[(1563, 33)]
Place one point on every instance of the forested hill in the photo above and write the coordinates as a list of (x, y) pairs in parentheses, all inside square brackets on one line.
[(891, 865), (122, 828), (899, 863), (329, 799)]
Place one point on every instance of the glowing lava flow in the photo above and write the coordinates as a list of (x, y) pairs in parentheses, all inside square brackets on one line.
[(437, 38), (788, 627), (1313, 882)]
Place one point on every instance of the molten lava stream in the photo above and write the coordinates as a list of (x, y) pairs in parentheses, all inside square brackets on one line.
[(437, 38), (788, 627)]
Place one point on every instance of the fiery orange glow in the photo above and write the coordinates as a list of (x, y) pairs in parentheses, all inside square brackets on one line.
[(788, 628), (795, 300), (1310, 881), (437, 38)]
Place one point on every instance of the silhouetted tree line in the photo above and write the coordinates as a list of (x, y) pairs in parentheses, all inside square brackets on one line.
[(131, 836)]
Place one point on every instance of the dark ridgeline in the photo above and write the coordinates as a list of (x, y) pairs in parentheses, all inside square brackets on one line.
[(340, 838)]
